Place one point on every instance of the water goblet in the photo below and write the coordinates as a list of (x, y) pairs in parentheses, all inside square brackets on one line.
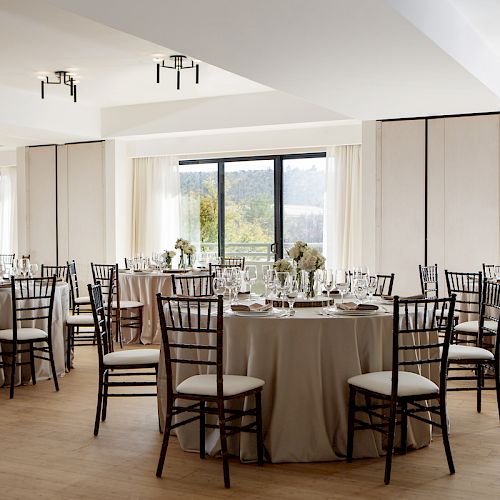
[(372, 282), (360, 289), (292, 292), (328, 285), (250, 276), (342, 282), (281, 281)]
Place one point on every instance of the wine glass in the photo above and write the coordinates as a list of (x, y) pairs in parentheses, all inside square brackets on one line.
[(292, 292), (250, 276), (360, 289), (33, 270), (269, 282), (328, 284), (281, 281), (219, 285), (342, 282), (372, 282)]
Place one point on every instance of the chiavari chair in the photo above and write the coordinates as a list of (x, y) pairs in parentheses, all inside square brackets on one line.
[(214, 269), (137, 363), (78, 302), (184, 321), (193, 285), (489, 271), (421, 337), (429, 281), (7, 259), (60, 272), (233, 261), (133, 308), (385, 282), (473, 358), (32, 301)]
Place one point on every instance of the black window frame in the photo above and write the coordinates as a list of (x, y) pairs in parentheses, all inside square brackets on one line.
[(278, 191)]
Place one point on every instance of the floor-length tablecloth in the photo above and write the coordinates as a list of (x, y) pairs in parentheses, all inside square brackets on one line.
[(305, 362), (143, 288), (60, 311)]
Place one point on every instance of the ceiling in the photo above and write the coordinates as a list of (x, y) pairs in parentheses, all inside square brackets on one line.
[(264, 63), (114, 68)]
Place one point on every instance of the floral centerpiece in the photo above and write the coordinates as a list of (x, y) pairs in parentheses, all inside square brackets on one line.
[(190, 250), (168, 255), (282, 266), (296, 253), (310, 262), (181, 245)]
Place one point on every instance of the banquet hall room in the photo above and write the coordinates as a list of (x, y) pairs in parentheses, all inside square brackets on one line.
[(249, 249)]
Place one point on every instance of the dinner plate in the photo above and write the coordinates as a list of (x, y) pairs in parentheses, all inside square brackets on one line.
[(250, 314), (339, 312)]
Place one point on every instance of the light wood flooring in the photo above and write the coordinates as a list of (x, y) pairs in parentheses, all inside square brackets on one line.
[(47, 451)]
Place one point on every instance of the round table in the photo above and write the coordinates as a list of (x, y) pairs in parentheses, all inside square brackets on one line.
[(305, 361), (60, 311)]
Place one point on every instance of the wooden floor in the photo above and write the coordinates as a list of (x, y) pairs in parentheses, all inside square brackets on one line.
[(47, 451)]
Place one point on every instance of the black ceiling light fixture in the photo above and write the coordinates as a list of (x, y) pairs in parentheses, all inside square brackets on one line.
[(62, 78), (177, 63)]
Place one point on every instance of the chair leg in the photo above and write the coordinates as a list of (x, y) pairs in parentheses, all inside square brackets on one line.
[(202, 429), (53, 366), (444, 431), (164, 444), (480, 384), (390, 442), (99, 404), (32, 365), (350, 423), (13, 370), (140, 322), (69, 334), (105, 396), (259, 433), (497, 384), (404, 427), (223, 443)]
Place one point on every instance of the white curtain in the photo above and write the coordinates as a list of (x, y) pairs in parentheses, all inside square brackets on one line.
[(8, 210), (156, 204), (342, 217)]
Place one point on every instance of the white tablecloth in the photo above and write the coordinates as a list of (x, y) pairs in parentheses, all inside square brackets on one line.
[(143, 288), (305, 362), (61, 306)]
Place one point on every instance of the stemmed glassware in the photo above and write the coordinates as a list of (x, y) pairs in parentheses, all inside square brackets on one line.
[(292, 292), (328, 284), (342, 282), (269, 283), (250, 276), (360, 289), (282, 282), (23, 266), (371, 285), (219, 285), (33, 270)]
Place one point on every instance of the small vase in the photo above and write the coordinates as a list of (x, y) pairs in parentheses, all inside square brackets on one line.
[(168, 263), (182, 262), (310, 285), (190, 260)]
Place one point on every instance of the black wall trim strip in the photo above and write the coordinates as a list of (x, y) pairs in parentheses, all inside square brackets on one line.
[(436, 117), (82, 142), (426, 196), (57, 209)]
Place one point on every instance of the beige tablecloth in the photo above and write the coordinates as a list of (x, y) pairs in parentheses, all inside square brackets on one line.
[(143, 288), (305, 362), (61, 306)]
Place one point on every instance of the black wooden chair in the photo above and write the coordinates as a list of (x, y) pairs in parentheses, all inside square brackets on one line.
[(193, 285), (7, 259), (132, 308), (78, 303), (429, 281), (60, 272), (421, 336), (32, 301), (472, 354), (214, 269), (232, 261), (385, 282), (489, 271), (181, 317), (126, 363)]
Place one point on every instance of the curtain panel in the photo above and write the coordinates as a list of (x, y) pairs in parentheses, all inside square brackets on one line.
[(8, 210)]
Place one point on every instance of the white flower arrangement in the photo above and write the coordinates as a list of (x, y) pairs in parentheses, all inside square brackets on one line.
[(297, 251), (311, 260), (190, 249), (283, 266), (169, 254), (181, 244)]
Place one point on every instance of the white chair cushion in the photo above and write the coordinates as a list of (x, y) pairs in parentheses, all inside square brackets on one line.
[(80, 320), (473, 326), (23, 334), (206, 385), (127, 304), (409, 384), (460, 352), (82, 300), (132, 357)]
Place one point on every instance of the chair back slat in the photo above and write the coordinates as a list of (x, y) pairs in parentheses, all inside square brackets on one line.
[(57, 271), (183, 320), (102, 273), (218, 269), (385, 282), (468, 288), (193, 285), (7, 259), (489, 270), (429, 281), (232, 262), (489, 320)]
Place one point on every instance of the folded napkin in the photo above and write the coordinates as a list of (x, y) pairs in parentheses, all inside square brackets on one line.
[(252, 307), (352, 306), (410, 297), (243, 293)]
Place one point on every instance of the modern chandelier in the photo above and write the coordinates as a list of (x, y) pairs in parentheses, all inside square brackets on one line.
[(178, 63), (62, 78)]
